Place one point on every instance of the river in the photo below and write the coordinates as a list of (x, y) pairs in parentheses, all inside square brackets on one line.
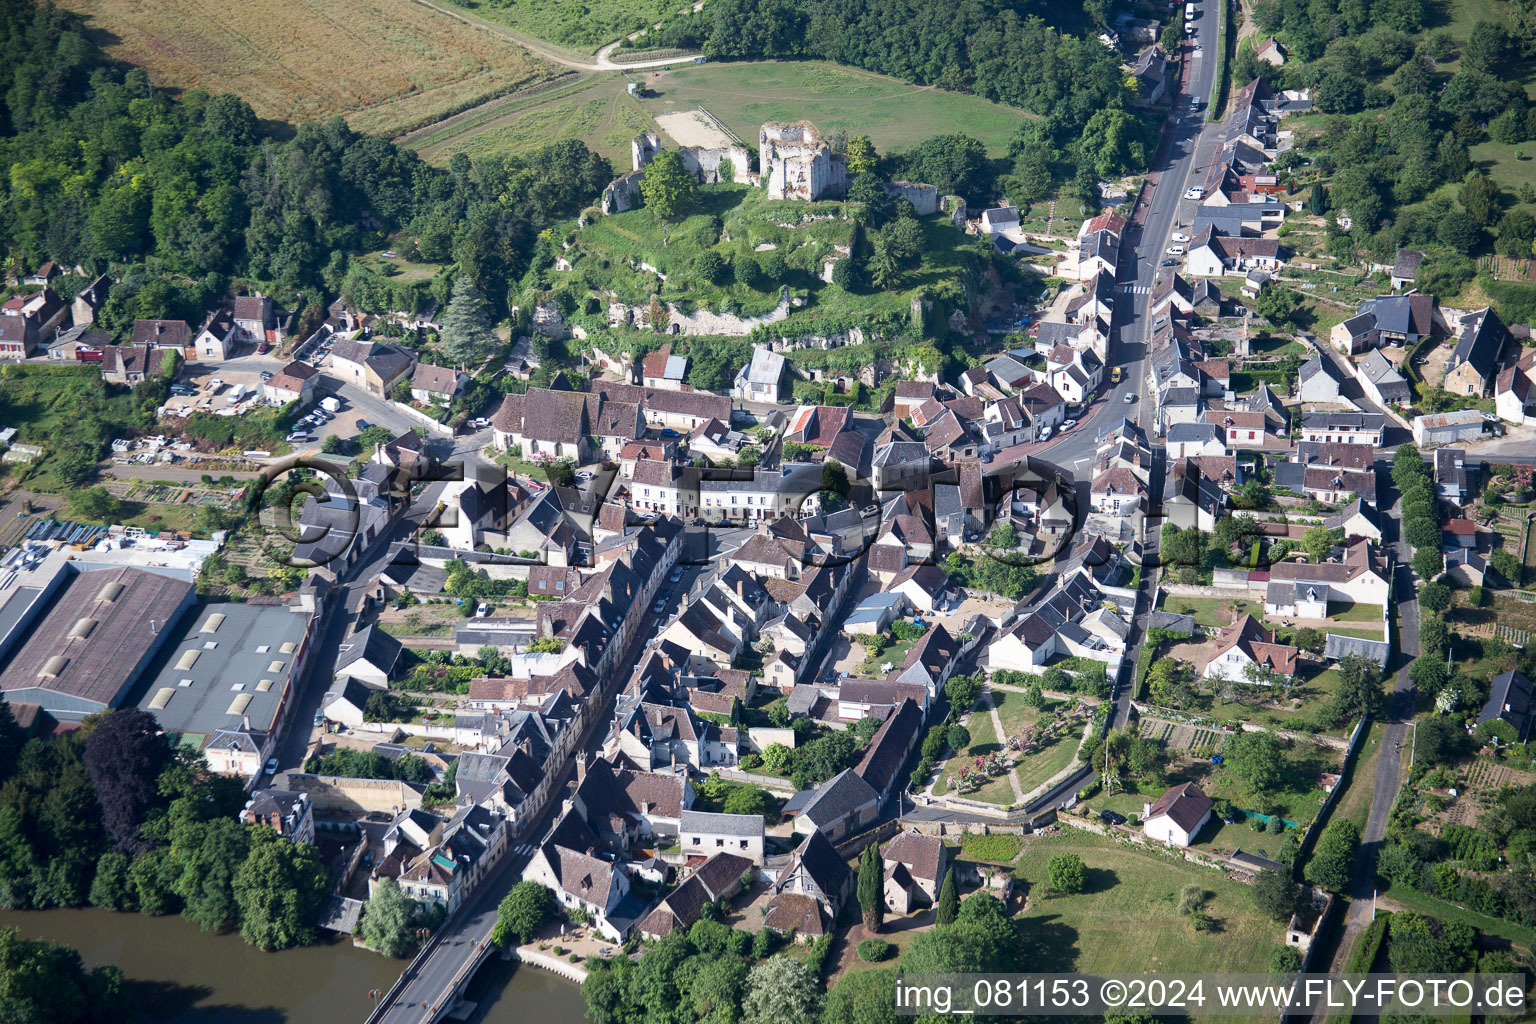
[(184, 976)]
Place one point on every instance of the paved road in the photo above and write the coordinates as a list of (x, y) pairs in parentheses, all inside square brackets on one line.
[(430, 983), (1389, 761)]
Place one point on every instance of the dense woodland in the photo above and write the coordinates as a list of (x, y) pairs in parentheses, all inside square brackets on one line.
[(180, 196), (1395, 146)]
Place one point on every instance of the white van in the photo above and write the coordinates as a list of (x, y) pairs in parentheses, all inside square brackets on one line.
[(1190, 12)]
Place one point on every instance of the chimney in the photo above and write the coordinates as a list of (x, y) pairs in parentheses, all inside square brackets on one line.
[(245, 723)]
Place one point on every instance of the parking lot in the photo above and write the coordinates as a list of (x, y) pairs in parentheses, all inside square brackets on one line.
[(212, 384)]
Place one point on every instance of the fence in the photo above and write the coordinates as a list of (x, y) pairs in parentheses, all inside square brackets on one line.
[(1350, 756), (440, 429)]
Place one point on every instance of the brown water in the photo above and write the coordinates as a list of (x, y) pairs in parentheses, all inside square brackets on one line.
[(181, 975)]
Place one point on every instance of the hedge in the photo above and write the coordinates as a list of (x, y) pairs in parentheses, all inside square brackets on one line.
[(1370, 945), (875, 950)]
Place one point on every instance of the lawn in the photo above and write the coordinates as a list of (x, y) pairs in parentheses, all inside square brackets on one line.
[(896, 115), (595, 109), (1214, 611), (1275, 348), (1295, 795), (983, 741), (1355, 804), (1128, 919), (387, 65)]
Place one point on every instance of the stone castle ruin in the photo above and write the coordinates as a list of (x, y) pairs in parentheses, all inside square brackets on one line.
[(703, 162), (797, 163), (794, 162)]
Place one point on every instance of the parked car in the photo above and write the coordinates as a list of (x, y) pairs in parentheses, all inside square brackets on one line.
[(298, 438), (362, 425), (266, 375), (677, 575), (1175, 250), (1045, 433), (271, 765), (1179, 236), (1194, 193), (319, 719), (1170, 263), (1130, 396), (1067, 425)]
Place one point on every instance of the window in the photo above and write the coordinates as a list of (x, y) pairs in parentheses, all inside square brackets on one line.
[(719, 843), (695, 840), (743, 844)]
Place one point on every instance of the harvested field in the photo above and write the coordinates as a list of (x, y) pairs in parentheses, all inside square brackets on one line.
[(386, 65)]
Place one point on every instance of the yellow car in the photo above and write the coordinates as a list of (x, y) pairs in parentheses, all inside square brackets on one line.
[(1115, 375)]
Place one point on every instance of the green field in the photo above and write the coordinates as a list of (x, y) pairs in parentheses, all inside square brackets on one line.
[(592, 108), (1128, 920), (896, 115)]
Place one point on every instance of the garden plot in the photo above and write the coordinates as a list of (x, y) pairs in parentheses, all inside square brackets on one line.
[(1177, 737)]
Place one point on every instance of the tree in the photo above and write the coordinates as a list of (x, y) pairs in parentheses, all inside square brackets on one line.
[(1421, 532), (112, 888), (1067, 873), (1255, 758), (468, 323), (279, 890), (1317, 199), (776, 757), (780, 990), (1275, 894), (861, 156), (210, 853), (124, 755), (386, 922), (948, 906), (845, 274), (94, 503), (1435, 596), (46, 983), (522, 912), (709, 266), (1319, 540), (668, 188), (747, 799), (871, 888), (1333, 864), (959, 737), (1359, 688), (1428, 563), (1276, 303), (862, 997)]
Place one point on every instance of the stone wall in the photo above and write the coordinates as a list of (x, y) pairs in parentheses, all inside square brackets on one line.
[(924, 198), (333, 794), (623, 193), (797, 164), (704, 163)]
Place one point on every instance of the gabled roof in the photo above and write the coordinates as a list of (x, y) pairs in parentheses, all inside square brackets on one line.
[(921, 854), (1186, 804), (1483, 336), (889, 747), (839, 797)]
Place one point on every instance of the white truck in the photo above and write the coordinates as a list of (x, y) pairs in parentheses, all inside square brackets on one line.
[(331, 404), (235, 394)]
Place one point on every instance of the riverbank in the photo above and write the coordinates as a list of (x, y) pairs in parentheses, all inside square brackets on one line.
[(181, 975)]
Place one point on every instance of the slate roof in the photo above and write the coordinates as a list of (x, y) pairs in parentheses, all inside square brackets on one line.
[(889, 747), (745, 826), (1483, 336), (1336, 647), (839, 797)]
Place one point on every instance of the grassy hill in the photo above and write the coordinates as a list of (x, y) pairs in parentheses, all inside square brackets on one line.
[(740, 223)]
